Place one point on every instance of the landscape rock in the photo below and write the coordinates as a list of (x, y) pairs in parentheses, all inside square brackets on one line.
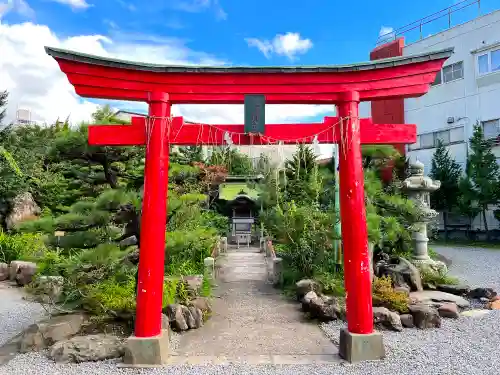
[(25, 273), (324, 311), (494, 305), (403, 289), (309, 297), (429, 296), (197, 317), (49, 288), (45, 333), (14, 268), (24, 208), (475, 313), (407, 320), (425, 316), (387, 319), (87, 348), (202, 303), (4, 271), (188, 317), (402, 273), (193, 284), (178, 315), (484, 299), (482, 292), (429, 286), (129, 241), (459, 290), (306, 285), (449, 310)]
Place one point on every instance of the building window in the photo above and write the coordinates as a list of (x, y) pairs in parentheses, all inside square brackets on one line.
[(430, 140), (457, 135), (453, 72), (427, 140), (449, 73), (491, 129), (443, 136), (488, 62)]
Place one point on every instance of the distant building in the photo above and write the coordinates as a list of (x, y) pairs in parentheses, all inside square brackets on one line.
[(127, 115), (466, 91)]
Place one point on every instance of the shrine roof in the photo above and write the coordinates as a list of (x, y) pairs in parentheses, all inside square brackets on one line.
[(160, 68)]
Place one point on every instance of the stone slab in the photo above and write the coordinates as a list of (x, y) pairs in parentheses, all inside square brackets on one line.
[(475, 313), (147, 351), (356, 348), (437, 296)]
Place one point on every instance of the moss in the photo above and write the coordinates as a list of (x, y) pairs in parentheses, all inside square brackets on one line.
[(385, 296)]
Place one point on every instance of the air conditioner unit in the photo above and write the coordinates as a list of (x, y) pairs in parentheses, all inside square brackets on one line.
[(450, 120)]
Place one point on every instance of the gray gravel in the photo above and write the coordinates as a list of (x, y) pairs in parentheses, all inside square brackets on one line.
[(16, 314), (467, 346), (477, 267)]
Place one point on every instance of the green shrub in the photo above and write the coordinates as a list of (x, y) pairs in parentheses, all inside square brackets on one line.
[(110, 297), (435, 278), (21, 246), (185, 251), (385, 296), (50, 263), (332, 284)]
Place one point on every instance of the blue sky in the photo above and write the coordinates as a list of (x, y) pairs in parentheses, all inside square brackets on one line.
[(340, 31), (236, 32)]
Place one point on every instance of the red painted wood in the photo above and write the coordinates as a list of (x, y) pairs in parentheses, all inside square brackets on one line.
[(357, 280), (153, 221), (191, 134), (119, 94), (288, 78), (221, 89), (119, 135), (390, 111)]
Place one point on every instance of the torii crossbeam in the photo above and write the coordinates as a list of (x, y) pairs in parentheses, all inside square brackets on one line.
[(162, 85), (188, 134)]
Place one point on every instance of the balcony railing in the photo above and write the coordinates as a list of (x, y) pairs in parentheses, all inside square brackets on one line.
[(419, 24)]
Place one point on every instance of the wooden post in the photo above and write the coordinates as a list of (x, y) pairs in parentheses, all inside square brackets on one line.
[(153, 220), (353, 218)]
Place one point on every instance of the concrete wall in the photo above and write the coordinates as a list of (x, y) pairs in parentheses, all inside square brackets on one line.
[(466, 100)]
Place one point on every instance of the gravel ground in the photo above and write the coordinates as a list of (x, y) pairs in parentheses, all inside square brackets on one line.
[(16, 314), (478, 267), (467, 346)]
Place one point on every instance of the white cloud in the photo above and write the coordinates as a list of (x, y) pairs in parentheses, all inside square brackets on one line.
[(196, 6), (289, 45), (386, 34), (35, 81), (20, 7), (74, 4)]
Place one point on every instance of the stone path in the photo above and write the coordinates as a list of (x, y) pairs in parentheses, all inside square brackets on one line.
[(252, 321)]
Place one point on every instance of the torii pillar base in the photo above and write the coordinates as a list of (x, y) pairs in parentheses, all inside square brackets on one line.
[(147, 351), (357, 348)]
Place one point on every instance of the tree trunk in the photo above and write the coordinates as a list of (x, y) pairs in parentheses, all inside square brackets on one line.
[(445, 224), (109, 175), (486, 224)]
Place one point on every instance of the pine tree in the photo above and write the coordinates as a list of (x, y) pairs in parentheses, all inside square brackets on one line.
[(3, 103), (467, 202), (448, 171), (484, 172)]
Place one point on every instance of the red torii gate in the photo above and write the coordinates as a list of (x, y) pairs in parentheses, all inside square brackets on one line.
[(161, 86)]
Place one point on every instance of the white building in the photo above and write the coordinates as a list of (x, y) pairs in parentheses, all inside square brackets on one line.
[(465, 92)]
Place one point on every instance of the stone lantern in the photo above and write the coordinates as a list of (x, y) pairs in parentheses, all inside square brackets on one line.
[(418, 187)]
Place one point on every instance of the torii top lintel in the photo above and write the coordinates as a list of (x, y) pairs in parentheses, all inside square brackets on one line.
[(98, 77)]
